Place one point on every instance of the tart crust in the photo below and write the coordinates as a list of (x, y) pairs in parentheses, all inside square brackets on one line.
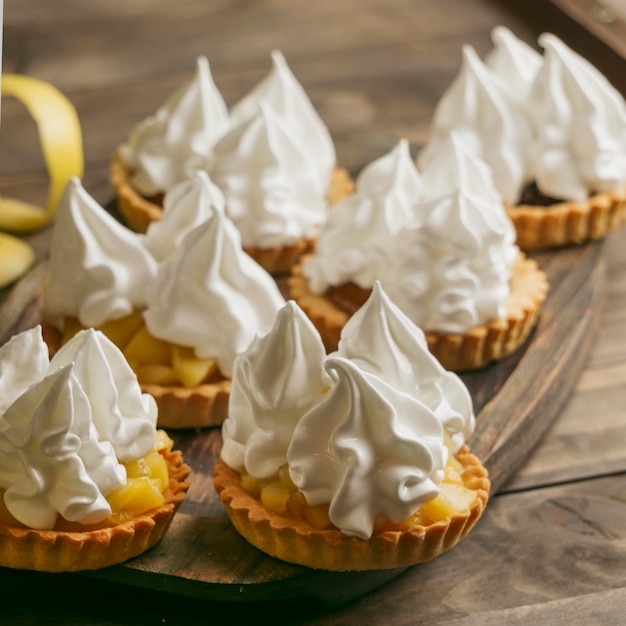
[(455, 351), (64, 551), (296, 541), (567, 223), (179, 407), (197, 407)]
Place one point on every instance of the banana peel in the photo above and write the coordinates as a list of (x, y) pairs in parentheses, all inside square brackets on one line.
[(16, 257), (60, 137)]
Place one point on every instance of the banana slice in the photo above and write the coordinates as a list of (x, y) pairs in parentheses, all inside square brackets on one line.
[(61, 143), (15, 259)]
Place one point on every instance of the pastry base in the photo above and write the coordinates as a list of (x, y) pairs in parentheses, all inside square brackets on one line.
[(63, 551), (179, 407), (567, 223), (296, 541), (138, 212), (197, 407), (455, 351)]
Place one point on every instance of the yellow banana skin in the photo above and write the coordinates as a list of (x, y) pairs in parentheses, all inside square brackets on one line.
[(16, 257), (60, 137), (61, 143)]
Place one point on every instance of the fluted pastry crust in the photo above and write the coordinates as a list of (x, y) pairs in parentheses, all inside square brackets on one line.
[(65, 551), (196, 407), (565, 223), (455, 351), (296, 541)]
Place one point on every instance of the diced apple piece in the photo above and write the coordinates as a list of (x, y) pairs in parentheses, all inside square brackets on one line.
[(163, 441), (250, 485), (274, 497), (284, 478), (296, 504), (317, 516), (453, 473), (153, 465), (137, 496), (451, 499), (149, 374), (191, 370), (144, 348), (121, 331)]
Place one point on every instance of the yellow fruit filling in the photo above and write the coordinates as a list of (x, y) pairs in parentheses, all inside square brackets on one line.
[(147, 480), (279, 495), (154, 361)]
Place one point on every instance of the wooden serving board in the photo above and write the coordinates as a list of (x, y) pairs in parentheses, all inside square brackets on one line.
[(515, 401)]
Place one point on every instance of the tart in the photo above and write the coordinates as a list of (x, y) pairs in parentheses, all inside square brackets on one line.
[(303, 535), (474, 349), (77, 548)]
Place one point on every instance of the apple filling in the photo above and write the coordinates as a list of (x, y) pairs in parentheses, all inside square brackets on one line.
[(147, 480), (279, 495), (154, 361)]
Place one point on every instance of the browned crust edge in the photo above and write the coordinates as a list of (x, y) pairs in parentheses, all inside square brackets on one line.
[(568, 223), (296, 541), (179, 407), (137, 211), (455, 351), (62, 551)]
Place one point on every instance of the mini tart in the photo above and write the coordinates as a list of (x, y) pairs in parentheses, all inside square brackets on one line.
[(65, 551), (455, 351), (139, 211), (296, 541), (179, 407), (565, 223)]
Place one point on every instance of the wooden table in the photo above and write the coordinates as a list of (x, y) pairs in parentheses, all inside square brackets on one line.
[(551, 547)]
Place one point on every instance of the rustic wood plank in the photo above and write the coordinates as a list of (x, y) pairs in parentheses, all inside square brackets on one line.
[(589, 438)]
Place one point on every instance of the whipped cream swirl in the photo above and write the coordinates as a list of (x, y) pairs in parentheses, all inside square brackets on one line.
[(370, 450), (65, 426), (274, 382), (224, 300), (99, 269), (51, 460), (23, 361), (186, 205), (360, 233), (121, 413), (178, 139), (263, 172), (490, 121), (579, 121), (453, 272), (287, 98), (514, 62), (382, 340)]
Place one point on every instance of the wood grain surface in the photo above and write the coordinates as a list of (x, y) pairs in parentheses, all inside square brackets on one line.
[(550, 547)]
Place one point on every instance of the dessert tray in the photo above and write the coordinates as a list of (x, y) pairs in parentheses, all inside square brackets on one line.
[(515, 401)]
